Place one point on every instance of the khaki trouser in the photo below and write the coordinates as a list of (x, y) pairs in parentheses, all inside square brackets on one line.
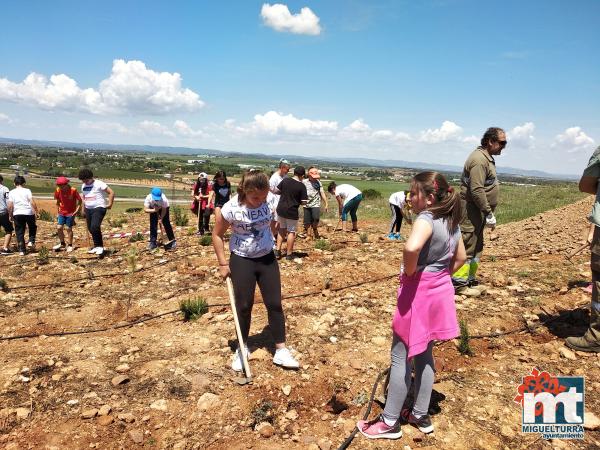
[(593, 332), (472, 225)]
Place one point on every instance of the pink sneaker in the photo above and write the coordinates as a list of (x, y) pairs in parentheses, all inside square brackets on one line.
[(377, 429)]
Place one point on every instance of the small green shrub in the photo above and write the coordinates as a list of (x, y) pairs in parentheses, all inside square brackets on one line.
[(43, 256), (136, 237), (3, 285), (262, 412), (117, 222), (364, 237), (463, 344), (133, 210), (45, 216), (180, 215), (322, 244), (2, 233), (206, 240), (191, 231), (192, 309), (371, 194)]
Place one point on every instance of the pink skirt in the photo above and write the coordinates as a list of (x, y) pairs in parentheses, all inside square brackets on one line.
[(425, 310)]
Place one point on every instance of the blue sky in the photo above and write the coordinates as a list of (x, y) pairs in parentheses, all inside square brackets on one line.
[(410, 80)]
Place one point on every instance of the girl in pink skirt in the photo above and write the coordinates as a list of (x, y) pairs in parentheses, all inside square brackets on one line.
[(425, 309)]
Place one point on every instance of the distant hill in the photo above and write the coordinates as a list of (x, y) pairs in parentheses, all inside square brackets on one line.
[(388, 163)]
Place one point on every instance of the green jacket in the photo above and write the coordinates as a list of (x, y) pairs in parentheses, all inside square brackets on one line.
[(479, 184), (593, 170)]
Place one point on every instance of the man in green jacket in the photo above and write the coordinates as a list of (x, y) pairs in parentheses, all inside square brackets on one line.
[(479, 197), (590, 341)]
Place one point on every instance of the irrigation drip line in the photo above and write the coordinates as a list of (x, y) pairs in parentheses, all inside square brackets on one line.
[(349, 439), (92, 276)]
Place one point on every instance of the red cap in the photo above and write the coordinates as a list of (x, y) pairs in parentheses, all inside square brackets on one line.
[(62, 180)]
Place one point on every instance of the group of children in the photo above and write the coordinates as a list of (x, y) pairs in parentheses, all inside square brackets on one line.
[(425, 309)]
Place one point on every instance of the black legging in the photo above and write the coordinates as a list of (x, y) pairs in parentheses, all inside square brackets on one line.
[(21, 221), (154, 226), (93, 219), (396, 218), (204, 219), (245, 273)]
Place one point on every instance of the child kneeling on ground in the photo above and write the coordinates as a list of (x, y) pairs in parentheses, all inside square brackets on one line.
[(425, 304), (68, 205), (252, 261), (157, 205)]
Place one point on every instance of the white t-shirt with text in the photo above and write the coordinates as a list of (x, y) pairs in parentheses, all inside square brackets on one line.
[(251, 228), (94, 195), (21, 199)]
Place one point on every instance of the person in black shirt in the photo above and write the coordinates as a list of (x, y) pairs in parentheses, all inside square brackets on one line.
[(221, 190), (293, 194)]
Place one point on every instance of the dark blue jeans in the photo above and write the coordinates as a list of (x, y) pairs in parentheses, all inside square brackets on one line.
[(94, 218), (154, 226)]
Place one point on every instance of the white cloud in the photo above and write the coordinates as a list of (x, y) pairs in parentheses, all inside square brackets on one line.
[(573, 140), (104, 127), (358, 126), (522, 135), (447, 132), (279, 18), (275, 123), (5, 118), (131, 88), (151, 128), (184, 129)]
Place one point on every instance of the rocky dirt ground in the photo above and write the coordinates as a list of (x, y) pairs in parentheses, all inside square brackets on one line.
[(166, 383)]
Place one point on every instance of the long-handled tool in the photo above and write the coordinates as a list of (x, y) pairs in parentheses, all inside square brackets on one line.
[(579, 250), (163, 232), (339, 222), (242, 347)]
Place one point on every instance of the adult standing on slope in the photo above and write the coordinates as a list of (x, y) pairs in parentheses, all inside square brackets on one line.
[(312, 209), (479, 196), (274, 181), (590, 341)]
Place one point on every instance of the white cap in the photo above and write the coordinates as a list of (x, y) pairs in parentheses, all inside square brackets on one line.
[(202, 175)]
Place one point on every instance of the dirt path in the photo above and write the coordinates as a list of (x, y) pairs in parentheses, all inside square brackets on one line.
[(62, 392)]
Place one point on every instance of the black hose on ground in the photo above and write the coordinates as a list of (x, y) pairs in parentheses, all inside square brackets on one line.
[(349, 439)]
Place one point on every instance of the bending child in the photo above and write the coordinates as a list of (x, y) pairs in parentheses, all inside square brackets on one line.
[(252, 261), (157, 205), (425, 304)]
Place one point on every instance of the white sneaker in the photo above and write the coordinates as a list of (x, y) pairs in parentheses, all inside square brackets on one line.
[(21, 253), (237, 364), (93, 250), (70, 248), (30, 244), (57, 247), (99, 251), (284, 358)]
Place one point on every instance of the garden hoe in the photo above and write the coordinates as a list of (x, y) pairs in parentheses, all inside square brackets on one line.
[(576, 252), (248, 378)]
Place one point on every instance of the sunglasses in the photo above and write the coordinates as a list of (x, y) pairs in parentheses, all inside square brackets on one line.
[(502, 143)]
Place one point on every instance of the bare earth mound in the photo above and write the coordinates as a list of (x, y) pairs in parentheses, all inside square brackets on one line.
[(165, 383)]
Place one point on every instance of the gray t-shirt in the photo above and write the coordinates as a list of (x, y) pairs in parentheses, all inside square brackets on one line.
[(3, 199), (438, 251), (313, 190)]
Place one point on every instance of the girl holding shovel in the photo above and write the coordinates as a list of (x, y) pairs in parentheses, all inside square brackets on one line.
[(425, 304), (252, 261)]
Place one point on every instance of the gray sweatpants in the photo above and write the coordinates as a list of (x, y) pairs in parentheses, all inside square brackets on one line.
[(400, 380)]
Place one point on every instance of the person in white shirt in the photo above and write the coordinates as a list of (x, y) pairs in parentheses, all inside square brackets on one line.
[(98, 198), (397, 201), (252, 260), (22, 210), (4, 218), (156, 204), (274, 182), (348, 198)]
